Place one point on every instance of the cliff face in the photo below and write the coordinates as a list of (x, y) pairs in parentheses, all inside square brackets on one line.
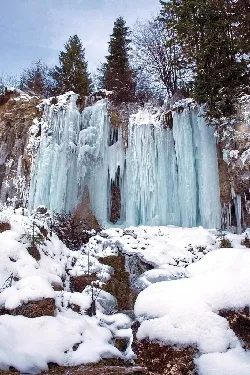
[(17, 114), (234, 170), (20, 133)]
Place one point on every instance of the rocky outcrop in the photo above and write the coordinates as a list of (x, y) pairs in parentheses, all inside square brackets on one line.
[(234, 171), (17, 114), (161, 359), (4, 226), (34, 252)]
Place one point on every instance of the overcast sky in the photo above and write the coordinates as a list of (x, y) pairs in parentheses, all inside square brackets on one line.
[(38, 29)]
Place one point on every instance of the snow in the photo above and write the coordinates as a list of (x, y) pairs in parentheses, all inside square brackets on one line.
[(26, 290), (29, 344), (67, 338), (234, 362), (23, 96), (185, 311), (178, 302), (168, 249)]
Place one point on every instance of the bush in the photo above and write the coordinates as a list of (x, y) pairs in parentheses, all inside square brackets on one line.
[(225, 243), (71, 230), (246, 241)]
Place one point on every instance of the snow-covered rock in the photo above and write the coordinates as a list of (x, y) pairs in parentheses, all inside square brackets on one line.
[(68, 336), (186, 312)]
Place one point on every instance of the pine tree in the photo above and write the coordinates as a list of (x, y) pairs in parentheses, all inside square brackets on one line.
[(72, 73), (118, 75), (211, 35)]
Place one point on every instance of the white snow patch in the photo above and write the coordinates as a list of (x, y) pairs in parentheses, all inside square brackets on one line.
[(185, 312)]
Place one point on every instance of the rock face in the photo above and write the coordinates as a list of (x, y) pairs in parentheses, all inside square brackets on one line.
[(234, 171), (162, 359), (17, 113), (17, 129)]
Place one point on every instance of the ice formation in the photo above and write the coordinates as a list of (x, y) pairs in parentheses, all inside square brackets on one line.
[(164, 176)]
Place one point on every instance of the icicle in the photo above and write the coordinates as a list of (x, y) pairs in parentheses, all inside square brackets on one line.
[(237, 204)]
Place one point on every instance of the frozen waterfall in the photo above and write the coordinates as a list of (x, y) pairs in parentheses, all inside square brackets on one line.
[(163, 176)]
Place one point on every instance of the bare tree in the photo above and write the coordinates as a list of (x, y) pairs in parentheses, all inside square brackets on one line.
[(8, 81), (158, 55), (37, 79)]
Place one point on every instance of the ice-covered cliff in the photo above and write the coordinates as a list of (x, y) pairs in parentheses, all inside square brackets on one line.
[(162, 175)]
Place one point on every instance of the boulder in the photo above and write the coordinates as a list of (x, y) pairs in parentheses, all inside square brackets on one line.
[(33, 309)]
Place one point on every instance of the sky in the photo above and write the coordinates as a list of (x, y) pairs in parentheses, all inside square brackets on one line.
[(38, 29)]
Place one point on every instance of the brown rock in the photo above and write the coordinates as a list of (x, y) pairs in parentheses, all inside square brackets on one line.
[(34, 252), (115, 204), (121, 344), (4, 226), (79, 283), (224, 178), (11, 371), (33, 309), (165, 359), (119, 283), (239, 322), (162, 359)]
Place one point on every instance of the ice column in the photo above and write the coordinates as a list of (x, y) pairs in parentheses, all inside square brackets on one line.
[(54, 174), (165, 176), (151, 174), (198, 178)]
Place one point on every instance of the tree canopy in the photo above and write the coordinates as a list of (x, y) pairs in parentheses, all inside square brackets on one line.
[(213, 35), (72, 72), (117, 73)]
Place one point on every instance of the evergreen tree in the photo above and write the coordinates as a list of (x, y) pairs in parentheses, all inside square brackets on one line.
[(72, 73), (211, 35), (118, 75)]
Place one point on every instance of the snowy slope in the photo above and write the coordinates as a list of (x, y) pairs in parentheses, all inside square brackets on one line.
[(187, 280), (68, 337), (185, 312), (192, 280)]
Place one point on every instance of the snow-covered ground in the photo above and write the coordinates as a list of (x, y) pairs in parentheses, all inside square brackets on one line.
[(192, 279), (68, 337), (185, 312)]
